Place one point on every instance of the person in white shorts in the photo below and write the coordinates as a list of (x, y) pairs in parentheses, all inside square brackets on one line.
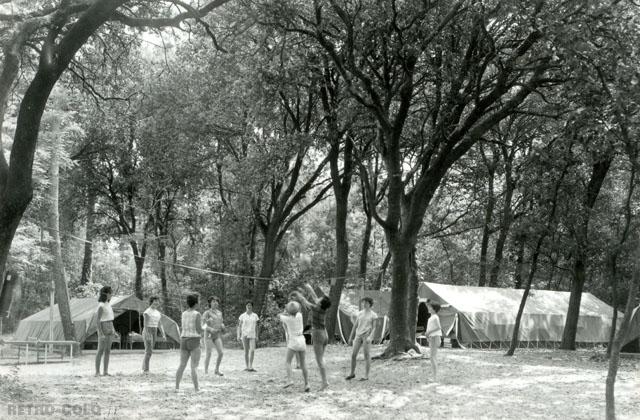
[(247, 333), (296, 346)]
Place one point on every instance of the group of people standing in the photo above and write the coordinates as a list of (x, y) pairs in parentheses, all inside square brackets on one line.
[(210, 325)]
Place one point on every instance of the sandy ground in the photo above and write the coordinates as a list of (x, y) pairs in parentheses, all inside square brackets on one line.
[(473, 384)]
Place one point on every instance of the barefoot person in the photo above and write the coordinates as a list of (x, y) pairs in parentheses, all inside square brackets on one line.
[(106, 332), (319, 335), (247, 333), (296, 346), (152, 326), (190, 341), (434, 335), (213, 329), (363, 331)]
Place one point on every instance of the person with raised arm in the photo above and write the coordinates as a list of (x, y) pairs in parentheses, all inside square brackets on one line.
[(320, 339)]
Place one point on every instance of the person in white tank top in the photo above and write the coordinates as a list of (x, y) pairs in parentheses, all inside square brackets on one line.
[(106, 332), (434, 335)]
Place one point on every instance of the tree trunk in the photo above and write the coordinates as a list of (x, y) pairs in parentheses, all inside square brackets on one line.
[(138, 258), (515, 338), (505, 225), (85, 276), (412, 303), (486, 230), (573, 312), (266, 271), (399, 325), (519, 262), (599, 172), (341, 188), (59, 274), (614, 360), (377, 284), (162, 257), (366, 244), (613, 274)]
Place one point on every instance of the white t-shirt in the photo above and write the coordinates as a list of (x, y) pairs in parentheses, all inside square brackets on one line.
[(107, 312), (249, 322), (365, 322), (434, 324), (153, 316), (295, 328)]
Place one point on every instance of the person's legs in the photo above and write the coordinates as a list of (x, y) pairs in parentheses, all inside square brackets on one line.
[(305, 372), (354, 354), (366, 349), (434, 343), (245, 346), (287, 364), (149, 342), (208, 348), (184, 358), (252, 351), (107, 352), (100, 352), (319, 346), (195, 361), (219, 349)]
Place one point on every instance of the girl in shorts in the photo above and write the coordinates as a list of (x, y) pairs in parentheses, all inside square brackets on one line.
[(213, 329), (190, 341), (106, 332), (296, 346)]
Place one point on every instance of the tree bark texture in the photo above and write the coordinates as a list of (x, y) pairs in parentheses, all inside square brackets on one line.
[(87, 260)]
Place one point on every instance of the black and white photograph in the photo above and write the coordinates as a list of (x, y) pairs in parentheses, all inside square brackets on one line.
[(320, 209)]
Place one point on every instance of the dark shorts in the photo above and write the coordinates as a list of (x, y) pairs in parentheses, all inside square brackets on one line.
[(319, 336), (189, 343)]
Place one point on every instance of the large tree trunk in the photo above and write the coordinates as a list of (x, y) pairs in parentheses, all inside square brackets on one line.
[(377, 284), (519, 262), (412, 301), (573, 312), (266, 271), (488, 217), (599, 171), (614, 359), (59, 274), (505, 225), (139, 254), (366, 244), (399, 323), (87, 260), (341, 188)]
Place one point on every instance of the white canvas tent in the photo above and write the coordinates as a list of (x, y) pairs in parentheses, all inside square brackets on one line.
[(483, 316)]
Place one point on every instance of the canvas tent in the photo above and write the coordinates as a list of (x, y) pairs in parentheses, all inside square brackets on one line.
[(128, 319), (349, 307), (479, 316), (631, 344)]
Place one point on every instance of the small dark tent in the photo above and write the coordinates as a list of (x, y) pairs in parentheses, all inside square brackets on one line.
[(631, 344), (128, 319)]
